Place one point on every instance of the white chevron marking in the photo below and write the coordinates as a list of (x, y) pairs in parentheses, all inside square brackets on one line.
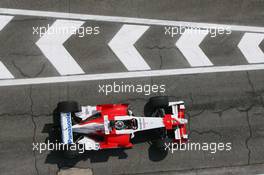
[(123, 46), (4, 72), (189, 46), (51, 44), (249, 46)]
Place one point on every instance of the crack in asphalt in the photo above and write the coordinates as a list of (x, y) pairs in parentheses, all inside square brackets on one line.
[(19, 70), (248, 138), (26, 75), (34, 139), (160, 54), (25, 55), (210, 131), (221, 111), (257, 99), (196, 114), (255, 94), (23, 114), (191, 106), (13, 114), (191, 99), (245, 109), (161, 60), (160, 47), (191, 131)]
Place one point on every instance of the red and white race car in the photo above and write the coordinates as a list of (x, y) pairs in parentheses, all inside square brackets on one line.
[(113, 125)]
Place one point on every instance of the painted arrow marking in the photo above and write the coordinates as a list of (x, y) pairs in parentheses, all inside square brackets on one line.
[(123, 46), (51, 44), (249, 46), (4, 73), (189, 46)]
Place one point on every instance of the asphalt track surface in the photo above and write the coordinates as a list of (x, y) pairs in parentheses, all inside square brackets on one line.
[(221, 107)]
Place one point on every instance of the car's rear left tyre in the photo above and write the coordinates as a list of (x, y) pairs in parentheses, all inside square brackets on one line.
[(68, 106)]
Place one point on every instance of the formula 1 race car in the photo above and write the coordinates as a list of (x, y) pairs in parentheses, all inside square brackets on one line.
[(113, 125)]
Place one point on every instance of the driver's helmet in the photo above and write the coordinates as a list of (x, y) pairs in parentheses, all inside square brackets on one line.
[(120, 125)]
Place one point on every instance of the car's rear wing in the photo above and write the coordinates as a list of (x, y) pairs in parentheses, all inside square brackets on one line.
[(66, 128)]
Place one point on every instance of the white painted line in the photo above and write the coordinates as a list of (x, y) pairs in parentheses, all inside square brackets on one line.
[(137, 74), (122, 45), (51, 44), (143, 21), (189, 43), (4, 73), (249, 46)]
